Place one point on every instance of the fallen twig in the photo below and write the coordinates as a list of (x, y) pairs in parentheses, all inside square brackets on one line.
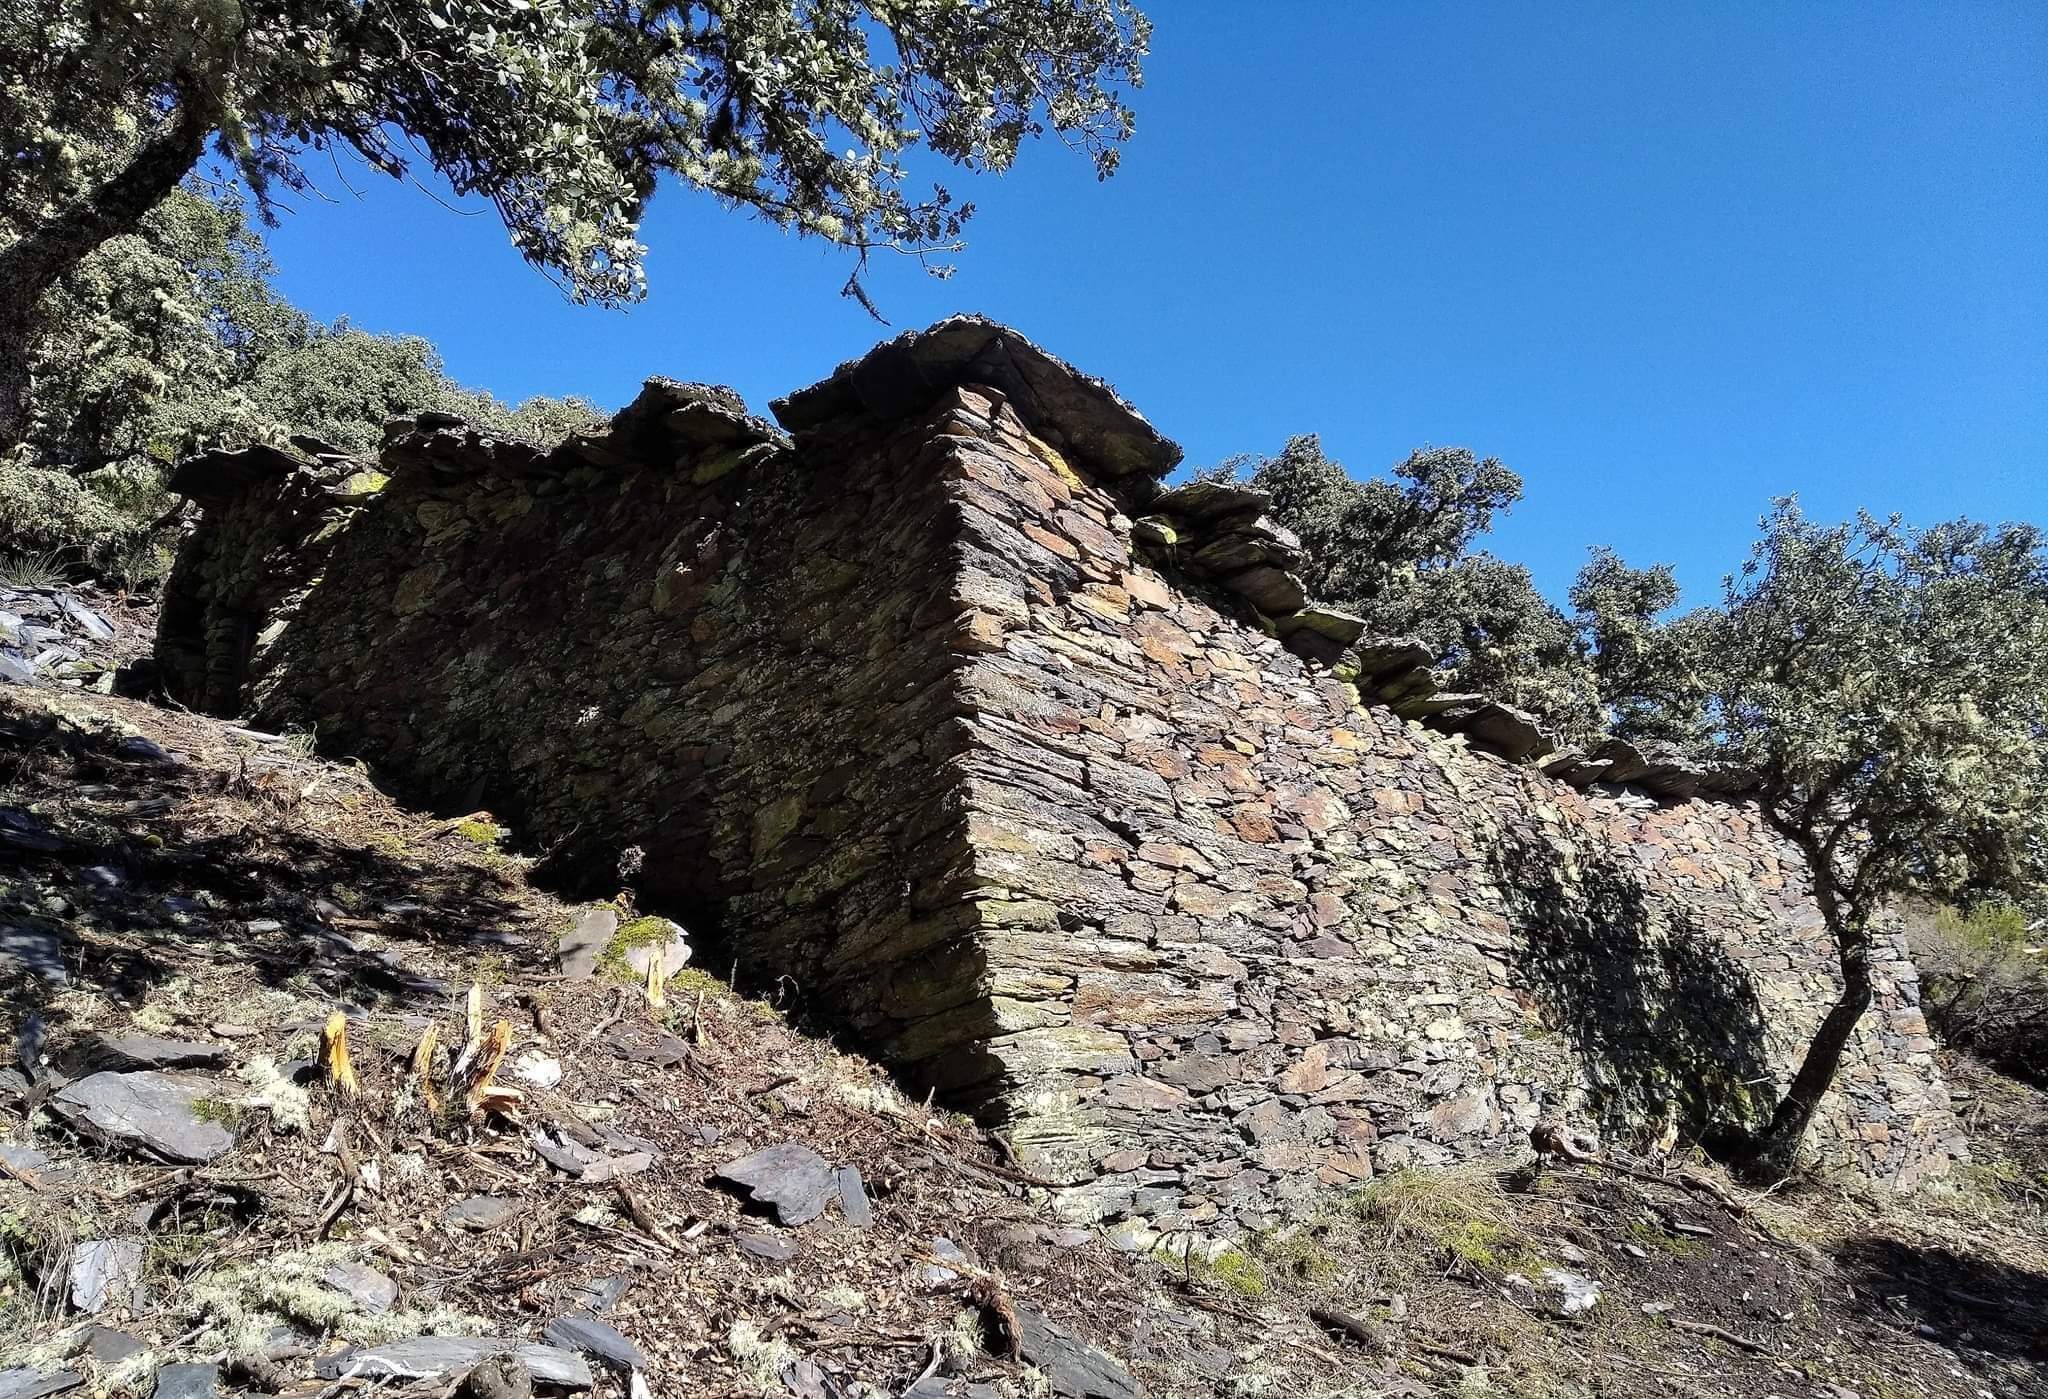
[(24, 1175), (1379, 1339), (613, 1015), (644, 1218), (342, 1195), (1719, 1333)]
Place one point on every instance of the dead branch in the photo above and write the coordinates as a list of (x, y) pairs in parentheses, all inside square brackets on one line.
[(641, 1216), (1707, 1328)]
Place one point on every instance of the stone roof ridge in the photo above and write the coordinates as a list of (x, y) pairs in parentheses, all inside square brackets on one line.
[(1218, 530), (700, 427), (219, 474), (1076, 412), (309, 465)]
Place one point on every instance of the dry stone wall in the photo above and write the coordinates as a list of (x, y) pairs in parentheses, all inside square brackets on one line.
[(925, 709), (674, 657)]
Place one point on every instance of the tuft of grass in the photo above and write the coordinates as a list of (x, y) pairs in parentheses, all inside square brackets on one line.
[(241, 1305), (1462, 1210), (1432, 1202), (966, 1337), (1295, 1254), (32, 571), (844, 1297), (1651, 1237), (492, 969), (1234, 1269), (289, 1105), (218, 1110)]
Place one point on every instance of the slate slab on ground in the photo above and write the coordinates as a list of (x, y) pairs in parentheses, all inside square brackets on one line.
[(580, 1331), (789, 1177), (436, 1357), (156, 1111), (586, 941)]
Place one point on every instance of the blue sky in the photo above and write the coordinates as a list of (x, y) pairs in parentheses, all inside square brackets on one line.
[(1665, 261)]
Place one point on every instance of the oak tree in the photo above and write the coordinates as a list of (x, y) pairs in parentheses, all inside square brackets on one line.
[(561, 113), (1889, 688)]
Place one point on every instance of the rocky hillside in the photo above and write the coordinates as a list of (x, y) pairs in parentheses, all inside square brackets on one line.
[(315, 1094)]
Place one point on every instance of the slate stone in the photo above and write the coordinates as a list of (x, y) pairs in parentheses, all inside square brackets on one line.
[(1208, 500), (15, 671), (664, 1053), (946, 1251), (33, 952), (789, 1176), (1382, 655), (939, 1387), (433, 1357), (148, 1109), (773, 1247), (29, 1383), (138, 749), (602, 1294), (498, 1377), (674, 954), (583, 1332), (1072, 1367), (1341, 627), (586, 1165), (564, 1156), (104, 1271), (853, 1198), (23, 1158), (187, 1382), (87, 620), (480, 1213), (156, 1052), (109, 1347), (1272, 590), (370, 1289), (586, 941), (1513, 733), (1075, 411)]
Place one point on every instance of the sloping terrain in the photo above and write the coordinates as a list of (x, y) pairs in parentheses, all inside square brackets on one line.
[(185, 904)]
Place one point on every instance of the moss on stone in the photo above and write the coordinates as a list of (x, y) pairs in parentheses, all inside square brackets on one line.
[(1295, 1253), (645, 931), (1233, 1268), (218, 1110), (483, 833)]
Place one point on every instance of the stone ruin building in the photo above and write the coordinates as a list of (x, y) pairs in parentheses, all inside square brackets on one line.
[(1040, 780)]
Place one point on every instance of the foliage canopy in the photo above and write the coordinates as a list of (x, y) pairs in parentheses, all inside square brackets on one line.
[(171, 339), (1889, 688), (562, 113)]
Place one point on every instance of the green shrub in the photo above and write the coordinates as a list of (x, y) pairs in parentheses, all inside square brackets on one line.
[(1984, 984), (48, 516)]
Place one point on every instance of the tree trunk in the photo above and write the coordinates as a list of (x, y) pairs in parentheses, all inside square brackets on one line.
[(51, 247), (1774, 1153)]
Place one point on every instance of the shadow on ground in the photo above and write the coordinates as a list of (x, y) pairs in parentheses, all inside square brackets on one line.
[(122, 865), (1974, 1303)]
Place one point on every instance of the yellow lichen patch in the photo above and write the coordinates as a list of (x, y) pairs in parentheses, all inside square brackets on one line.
[(1045, 453)]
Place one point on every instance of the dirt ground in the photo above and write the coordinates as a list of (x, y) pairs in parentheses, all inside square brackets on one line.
[(168, 874)]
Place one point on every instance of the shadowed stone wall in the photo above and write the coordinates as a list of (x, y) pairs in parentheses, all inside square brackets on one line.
[(1053, 822)]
